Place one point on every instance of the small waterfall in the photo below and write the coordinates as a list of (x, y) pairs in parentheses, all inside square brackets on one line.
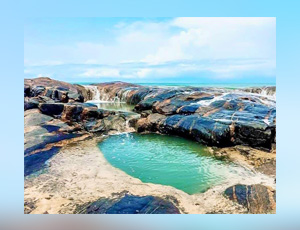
[(268, 91), (95, 93)]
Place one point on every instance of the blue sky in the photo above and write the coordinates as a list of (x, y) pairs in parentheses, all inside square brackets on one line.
[(196, 50)]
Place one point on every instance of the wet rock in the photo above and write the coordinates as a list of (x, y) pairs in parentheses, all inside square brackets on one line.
[(188, 109), (256, 198), (39, 142), (82, 94), (151, 123), (105, 113), (130, 204), (268, 90), (147, 103), (117, 123), (94, 126)]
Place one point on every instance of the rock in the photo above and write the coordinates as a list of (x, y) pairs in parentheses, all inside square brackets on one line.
[(151, 123), (105, 113), (51, 109), (117, 123), (130, 204), (48, 82), (37, 162), (72, 112), (26, 90), (256, 198), (57, 94), (34, 117), (216, 117), (57, 90), (269, 90), (75, 96), (37, 90), (91, 113), (94, 126), (38, 142), (30, 104), (81, 95), (199, 128)]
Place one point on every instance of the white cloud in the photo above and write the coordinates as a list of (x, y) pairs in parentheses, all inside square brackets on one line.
[(218, 38), (99, 72), (43, 75), (163, 48)]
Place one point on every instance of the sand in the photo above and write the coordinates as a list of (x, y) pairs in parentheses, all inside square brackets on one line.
[(79, 173)]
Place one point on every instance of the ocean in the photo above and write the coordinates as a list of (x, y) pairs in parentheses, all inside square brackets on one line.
[(216, 85)]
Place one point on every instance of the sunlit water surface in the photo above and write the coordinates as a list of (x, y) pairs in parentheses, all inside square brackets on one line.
[(168, 160), (114, 106)]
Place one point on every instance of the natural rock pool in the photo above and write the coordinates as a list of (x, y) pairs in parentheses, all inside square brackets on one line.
[(115, 106), (169, 160)]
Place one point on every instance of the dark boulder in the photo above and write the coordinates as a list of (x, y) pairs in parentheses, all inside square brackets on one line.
[(37, 90), (58, 94), (94, 126), (26, 90), (30, 103), (75, 96), (72, 112), (91, 113), (51, 109), (256, 198), (130, 204)]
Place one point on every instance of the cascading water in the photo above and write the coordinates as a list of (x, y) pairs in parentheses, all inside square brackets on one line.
[(104, 101), (95, 93)]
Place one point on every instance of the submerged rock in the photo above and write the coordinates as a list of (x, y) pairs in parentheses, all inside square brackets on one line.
[(256, 198)]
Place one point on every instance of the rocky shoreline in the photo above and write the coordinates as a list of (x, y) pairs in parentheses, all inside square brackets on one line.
[(65, 172)]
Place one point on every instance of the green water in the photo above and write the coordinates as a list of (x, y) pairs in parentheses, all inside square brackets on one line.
[(168, 160), (115, 106)]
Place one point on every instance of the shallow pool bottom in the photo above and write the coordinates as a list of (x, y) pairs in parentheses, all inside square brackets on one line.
[(167, 160)]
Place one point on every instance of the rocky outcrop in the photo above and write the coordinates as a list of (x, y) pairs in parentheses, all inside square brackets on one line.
[(54, 112), (130, 204), (217, 117), (256, 198), (266, 91), (56, 90), (261, 161)]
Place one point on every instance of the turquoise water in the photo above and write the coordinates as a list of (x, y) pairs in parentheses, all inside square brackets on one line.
[(167, 160)]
